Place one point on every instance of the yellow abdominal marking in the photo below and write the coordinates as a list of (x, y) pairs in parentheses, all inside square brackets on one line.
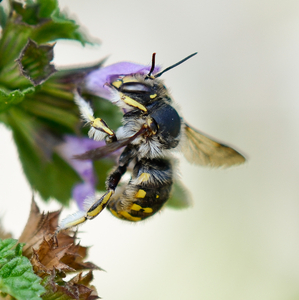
[(140, 194), (99, 124), (128, 216), (144, 177), (132, 102), (137, 207), (114, 213), (147, 210), (153, 96), (101, 205)]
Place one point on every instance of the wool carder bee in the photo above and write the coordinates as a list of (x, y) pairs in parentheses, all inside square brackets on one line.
[(151, 129)]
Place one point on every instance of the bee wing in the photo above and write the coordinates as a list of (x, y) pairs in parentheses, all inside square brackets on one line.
[(101, 152), (180, 197), (201, 150)]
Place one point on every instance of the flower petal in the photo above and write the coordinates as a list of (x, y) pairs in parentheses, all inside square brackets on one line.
[(81, 192), (72, 146)]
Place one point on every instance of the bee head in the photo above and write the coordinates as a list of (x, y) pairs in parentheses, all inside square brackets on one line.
[(138, 88), (145, 89)]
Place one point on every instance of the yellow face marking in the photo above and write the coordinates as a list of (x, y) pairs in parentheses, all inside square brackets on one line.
[(99, 124), (132, 102), (129, 79), (129, 217), (121, 81), (117, 83), (153, 96), (140, 194), (144, 177), (76, 222), (100, 206)]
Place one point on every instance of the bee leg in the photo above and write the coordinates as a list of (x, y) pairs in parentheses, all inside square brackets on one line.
[(112, 183), (97, 206), (83, 215), (99, 130)]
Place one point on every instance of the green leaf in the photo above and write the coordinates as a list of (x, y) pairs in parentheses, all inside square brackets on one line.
[(16, 274), (34, 62), (29, 13), (102, 168), (3, 17), (46, 172), (46, 8), (108, 111), (180, 197), (60, 27), (34, 13), (14, 38), (7, 100)]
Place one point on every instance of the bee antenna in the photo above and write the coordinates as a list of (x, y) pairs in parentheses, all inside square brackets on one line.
[(175, 65), (149, 75)]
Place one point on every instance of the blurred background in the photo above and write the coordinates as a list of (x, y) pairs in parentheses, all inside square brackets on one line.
[(240, 239)]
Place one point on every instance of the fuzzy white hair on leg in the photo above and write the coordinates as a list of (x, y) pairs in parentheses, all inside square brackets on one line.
[(88, 202), (96, 134), (71, 220), (78, 217), (85, 108)]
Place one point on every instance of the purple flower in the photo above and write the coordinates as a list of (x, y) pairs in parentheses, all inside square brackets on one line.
[(72, 146), (95, 81)]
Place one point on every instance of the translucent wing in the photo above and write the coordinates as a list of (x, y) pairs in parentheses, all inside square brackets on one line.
[(180, 197), (201, 150)]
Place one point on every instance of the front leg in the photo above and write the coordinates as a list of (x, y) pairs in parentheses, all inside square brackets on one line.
[(99, 130)]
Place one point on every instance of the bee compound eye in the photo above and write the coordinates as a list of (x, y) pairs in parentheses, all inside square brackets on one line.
[(168, 121), (135, 87)]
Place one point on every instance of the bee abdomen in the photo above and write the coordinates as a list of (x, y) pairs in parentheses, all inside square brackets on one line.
[(146, 192)]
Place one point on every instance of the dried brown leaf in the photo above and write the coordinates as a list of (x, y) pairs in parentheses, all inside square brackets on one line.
[(53, 258), (77, 288), (81, 284), (39, 226)]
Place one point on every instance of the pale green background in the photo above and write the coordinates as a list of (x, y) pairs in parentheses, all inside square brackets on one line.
[(240, 240)]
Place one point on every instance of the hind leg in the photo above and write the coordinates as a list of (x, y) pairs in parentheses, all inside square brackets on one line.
[(94, 207)]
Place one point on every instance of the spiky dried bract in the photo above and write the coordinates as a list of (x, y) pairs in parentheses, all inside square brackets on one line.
[(77, 288), (52, 259), (39, 226)]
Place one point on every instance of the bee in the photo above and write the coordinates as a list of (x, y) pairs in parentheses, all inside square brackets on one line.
[(152, 128)]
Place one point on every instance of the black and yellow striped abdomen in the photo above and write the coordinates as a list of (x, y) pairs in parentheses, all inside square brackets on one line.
[(146, 192)]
